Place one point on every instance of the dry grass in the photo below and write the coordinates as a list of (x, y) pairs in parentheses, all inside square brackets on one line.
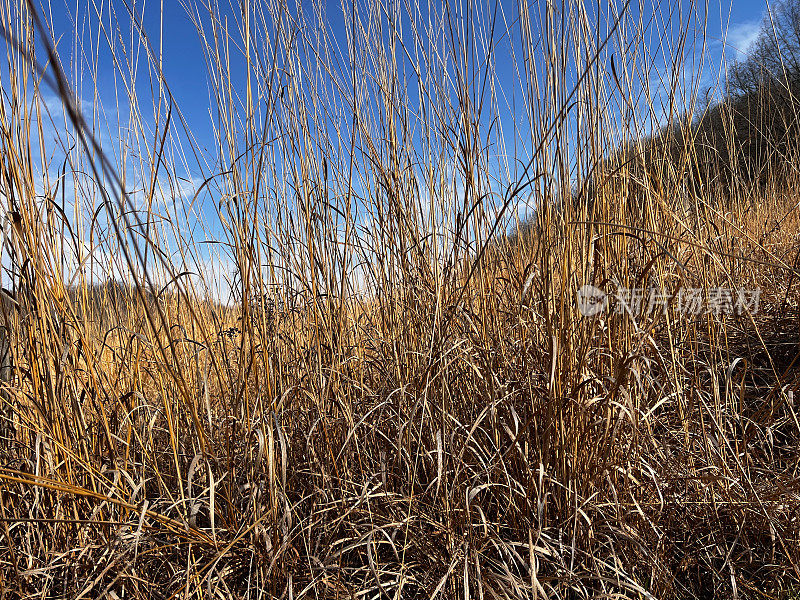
[(397, 402)]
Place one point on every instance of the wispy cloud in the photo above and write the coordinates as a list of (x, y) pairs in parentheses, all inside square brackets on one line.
[(741, 36)]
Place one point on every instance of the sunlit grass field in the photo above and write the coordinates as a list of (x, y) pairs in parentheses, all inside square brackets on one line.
[(339, 351)]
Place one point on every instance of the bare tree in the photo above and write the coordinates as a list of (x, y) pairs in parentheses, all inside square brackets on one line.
[(774, 60)]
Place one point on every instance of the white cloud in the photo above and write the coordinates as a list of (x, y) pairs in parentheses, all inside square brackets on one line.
[(741, 36)]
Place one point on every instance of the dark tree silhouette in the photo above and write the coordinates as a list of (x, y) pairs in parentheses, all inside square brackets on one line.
[(774, 60)]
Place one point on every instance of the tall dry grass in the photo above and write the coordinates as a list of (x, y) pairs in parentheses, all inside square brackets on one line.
[(397, 400)]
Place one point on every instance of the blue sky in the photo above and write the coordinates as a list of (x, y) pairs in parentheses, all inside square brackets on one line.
[(174, 44), (174, 37)]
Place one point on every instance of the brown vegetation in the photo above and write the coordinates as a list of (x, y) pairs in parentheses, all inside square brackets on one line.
[(399, 401)]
